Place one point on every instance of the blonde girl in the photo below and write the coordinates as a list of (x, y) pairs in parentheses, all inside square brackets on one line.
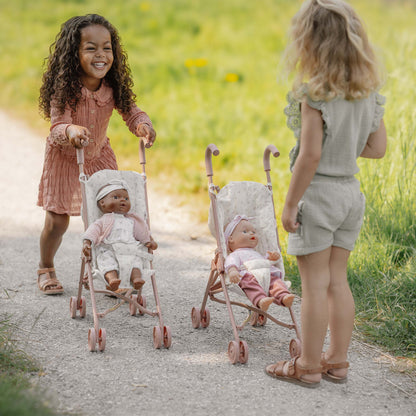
[(336, 114), (87, 76)]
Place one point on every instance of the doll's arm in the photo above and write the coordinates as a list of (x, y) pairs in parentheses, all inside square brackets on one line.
[(233, 274), (151, 244)]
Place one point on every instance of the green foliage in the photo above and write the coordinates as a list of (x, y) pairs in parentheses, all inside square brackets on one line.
[(16, 396), (211, 72)]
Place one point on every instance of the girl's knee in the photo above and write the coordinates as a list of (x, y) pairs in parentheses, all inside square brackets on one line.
[(56, 223)]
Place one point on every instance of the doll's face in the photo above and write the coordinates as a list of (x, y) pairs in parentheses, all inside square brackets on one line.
[(116, 201), (95, 55), (243, 236)]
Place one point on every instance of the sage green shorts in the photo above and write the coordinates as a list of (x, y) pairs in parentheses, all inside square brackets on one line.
[(331, 213)]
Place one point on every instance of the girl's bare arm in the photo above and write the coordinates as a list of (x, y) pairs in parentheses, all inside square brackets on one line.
[(376, 143)]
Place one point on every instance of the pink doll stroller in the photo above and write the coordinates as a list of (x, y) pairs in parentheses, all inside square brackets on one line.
[(136, 183), (254, 200)]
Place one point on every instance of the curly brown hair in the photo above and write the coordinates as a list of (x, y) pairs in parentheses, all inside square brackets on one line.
[(61, 79)]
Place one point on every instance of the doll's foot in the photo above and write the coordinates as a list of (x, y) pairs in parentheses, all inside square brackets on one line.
[(288, 300), (113, 284), (137, 282), (265, 303)]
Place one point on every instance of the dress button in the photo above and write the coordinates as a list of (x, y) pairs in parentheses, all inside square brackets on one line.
[(92, 111), (91, 126)]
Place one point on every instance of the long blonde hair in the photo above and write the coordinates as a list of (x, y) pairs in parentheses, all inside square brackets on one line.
[(330, 52)]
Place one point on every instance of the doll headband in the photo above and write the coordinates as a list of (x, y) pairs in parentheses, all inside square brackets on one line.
[(111, 186), (232, 224)]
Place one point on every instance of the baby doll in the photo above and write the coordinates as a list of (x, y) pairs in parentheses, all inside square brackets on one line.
[(116, 225), (244, 265)]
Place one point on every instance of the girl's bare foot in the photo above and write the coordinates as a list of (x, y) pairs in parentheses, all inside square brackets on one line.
[(264, 303)]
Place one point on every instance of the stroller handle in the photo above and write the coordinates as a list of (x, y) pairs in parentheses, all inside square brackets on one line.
[(211, 149), (142, 155), (271, 148)]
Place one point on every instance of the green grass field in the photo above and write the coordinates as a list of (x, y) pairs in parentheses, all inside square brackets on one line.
[(211, 72)]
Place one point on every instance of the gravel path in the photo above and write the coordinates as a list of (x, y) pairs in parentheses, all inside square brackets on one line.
[(193, 377)]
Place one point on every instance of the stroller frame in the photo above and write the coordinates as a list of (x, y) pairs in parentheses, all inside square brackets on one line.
[(137, 302), (237, 349)]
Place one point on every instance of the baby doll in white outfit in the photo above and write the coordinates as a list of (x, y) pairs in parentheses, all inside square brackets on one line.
[(244, 265), (117, 225)]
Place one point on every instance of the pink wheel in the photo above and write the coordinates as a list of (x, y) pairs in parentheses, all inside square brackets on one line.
[(196, 317), (157, 337), (295, 347), (253, 318), (167, 337), (205, 318), (83, 307), (102, 338), (233, 352), (243, 352), (73, 306), (132, 306), (142, 302), (92, 340)]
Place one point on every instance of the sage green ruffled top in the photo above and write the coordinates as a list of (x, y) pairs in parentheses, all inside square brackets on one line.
[(347, 125)]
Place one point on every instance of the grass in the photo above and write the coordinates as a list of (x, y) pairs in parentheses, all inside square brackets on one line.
[(17, 397), (210, 71)]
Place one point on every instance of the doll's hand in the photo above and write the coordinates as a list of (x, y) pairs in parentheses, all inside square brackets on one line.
[(148, 134), (234, 275), (273, 255), (86, 249), (78, 136), (151, 244)]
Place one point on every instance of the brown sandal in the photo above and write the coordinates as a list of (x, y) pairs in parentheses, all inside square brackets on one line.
[(49, 285), (291, 372), (327, 367)]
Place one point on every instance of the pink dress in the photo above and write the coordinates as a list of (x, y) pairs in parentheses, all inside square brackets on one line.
[(59, 188)]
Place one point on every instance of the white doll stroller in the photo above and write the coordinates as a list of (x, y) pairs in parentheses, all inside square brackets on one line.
[(253, 200), (89, 272)]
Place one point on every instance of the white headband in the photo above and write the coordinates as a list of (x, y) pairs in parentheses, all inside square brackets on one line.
[(232, 224), (111, 186)]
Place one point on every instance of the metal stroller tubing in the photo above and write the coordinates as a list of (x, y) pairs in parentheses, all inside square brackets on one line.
[(136, 302), (224, 205)]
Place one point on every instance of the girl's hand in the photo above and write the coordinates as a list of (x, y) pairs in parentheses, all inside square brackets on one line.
[(147, 132), (289, 218), (78, 136)]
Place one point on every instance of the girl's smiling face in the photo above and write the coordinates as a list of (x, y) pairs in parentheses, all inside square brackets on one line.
[(95, 55)]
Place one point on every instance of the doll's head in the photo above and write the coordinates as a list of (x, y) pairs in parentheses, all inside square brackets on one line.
[(240, 233), (331, 52), (62, 78), (114, 197)]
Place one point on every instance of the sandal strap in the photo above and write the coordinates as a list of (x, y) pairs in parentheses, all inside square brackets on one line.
[(300, 371), (332, 366), (49, 282), (45, 270)]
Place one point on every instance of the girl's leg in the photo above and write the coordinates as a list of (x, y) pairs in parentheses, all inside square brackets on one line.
[(51, 237), (341, 310), (314, 270)]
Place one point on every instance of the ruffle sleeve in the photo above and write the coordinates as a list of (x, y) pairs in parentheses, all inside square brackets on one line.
[(379, 111), (292, 112)]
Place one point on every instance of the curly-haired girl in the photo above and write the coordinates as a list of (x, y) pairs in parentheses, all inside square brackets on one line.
[(87, 76)]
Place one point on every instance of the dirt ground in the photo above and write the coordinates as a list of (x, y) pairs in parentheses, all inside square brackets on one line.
[(194, 376)]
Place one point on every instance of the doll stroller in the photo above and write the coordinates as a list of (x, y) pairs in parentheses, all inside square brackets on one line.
[(254, 200), (136, 301)]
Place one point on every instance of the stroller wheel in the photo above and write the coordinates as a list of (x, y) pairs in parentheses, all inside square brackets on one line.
[(167, 337), (196, 317), (295, 347), (261, 320), (83, 307), (102, 338), (142, 302), (233, 352), (243, 352), (73, 306), (205, 318), (157, 337), (92, 340), (132, 306)]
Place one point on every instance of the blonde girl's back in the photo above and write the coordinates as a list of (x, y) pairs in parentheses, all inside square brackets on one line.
[(330, 51)]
